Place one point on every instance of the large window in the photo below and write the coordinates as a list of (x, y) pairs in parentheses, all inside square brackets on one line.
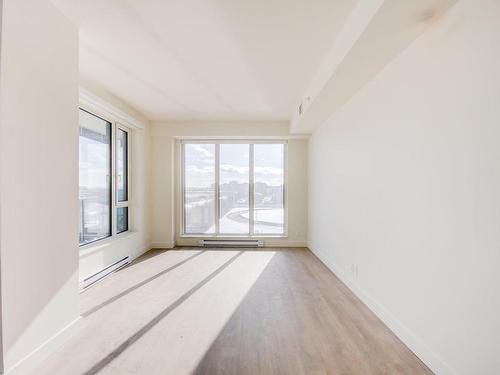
[(233, 188), (103, 175)]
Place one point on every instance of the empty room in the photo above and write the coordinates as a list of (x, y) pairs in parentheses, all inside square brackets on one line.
[(250, 187)]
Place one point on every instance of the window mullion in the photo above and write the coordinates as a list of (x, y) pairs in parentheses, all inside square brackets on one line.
[(251, 191), (129, 176), (113, 180), (216, 185), (183, 188)]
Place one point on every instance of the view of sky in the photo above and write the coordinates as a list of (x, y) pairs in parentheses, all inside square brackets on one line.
[(94, 152), (234, 160), (234, 178)]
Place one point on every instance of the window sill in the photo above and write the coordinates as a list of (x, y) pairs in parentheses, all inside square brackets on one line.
[(99, 245)]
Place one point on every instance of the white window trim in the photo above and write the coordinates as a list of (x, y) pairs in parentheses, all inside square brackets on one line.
[(181, 179), (115, 124), (95, 104)]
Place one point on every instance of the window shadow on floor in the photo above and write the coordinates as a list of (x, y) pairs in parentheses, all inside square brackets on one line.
[(138, 285), (141, 332), (297, 318)]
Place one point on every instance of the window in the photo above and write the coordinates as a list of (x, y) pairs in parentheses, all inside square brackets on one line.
[(233, 188), (94, 175), (269, 185), (103, 177), (199, 183), (121, 180), (121, 165)]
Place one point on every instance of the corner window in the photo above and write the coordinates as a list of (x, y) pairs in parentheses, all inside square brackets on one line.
[(103, 178), (233, 188)]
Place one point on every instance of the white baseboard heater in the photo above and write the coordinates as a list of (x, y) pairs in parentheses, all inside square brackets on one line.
[(104, 272), (231, 243)]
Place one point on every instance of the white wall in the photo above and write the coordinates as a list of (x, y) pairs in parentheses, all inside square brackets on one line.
[(162, 192), (137, 240), (404, 184), (1, 334), (165, 171), (39, 179)]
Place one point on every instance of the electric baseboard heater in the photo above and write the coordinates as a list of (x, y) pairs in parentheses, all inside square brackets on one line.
[(231, 243), (104, 272)]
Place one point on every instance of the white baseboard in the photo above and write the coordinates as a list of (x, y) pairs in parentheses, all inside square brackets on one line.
[(268, 242), (29, 363), (143, 250), (162, 245), (421, 350)]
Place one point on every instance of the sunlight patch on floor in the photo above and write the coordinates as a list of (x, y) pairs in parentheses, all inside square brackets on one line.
[(163, 315), (182, 338)]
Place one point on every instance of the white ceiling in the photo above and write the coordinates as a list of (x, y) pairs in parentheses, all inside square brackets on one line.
[(206, 59)]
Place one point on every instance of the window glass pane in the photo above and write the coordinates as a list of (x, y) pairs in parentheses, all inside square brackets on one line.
[(121, 165), (233, 188), (121, 219), (94, 177), (269, 179), (199, 188)]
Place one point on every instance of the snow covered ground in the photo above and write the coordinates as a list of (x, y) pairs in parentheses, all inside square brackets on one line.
[(267, 221)]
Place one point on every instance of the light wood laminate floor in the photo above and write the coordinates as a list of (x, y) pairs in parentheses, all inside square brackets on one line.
[(228, 311)]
